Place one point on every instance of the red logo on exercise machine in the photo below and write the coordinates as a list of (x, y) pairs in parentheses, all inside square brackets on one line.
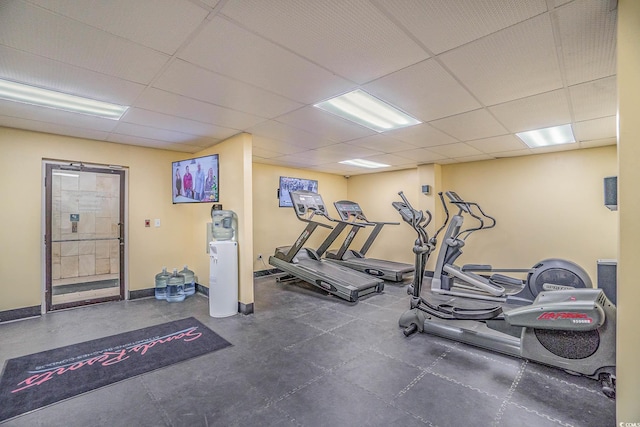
[(563, 315)]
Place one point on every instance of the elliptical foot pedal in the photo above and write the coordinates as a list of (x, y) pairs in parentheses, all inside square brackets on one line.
[(450, 311), (501, 279)]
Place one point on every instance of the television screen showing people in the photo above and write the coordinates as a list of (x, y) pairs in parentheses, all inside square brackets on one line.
[(288, 184), (196, 180)]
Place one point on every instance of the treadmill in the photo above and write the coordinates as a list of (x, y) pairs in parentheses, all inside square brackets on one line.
[(351, 213), (307, 264)]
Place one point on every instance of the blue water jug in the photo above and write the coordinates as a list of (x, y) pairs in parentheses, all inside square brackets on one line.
[(161, 284), (189, 281), (175, 287)]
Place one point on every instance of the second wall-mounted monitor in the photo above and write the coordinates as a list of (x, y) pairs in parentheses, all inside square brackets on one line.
[(288, 184)]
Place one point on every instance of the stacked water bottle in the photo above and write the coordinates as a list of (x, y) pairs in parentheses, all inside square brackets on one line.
[(176, 286)]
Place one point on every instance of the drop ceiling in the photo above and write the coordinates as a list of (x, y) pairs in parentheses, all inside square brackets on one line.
[(194, 73)]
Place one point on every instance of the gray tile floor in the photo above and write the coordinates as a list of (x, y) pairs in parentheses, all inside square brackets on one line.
[(308, 359)]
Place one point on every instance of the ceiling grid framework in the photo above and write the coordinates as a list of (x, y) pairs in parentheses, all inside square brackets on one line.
[(195, 72)]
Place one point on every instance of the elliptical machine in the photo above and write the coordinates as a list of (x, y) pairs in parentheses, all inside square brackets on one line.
[(472, 280), (566, 328)]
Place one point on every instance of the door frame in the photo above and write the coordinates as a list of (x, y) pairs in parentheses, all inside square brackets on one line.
[(50, 165)]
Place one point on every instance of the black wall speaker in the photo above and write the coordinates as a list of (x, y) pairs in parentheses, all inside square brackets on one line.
[(611, 192)]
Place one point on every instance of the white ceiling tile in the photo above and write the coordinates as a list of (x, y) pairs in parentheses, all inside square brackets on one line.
[(431, 21), (594, 99), (186, 147), (469, 126), (345, 151), (163, 121), (514, 153), (142, 142), (54, 128), (188, 80), (181, 106), (161, 25), (337, 170), (276, 146), (513, 63), (326, 125), (391, 159), (595, 129), (157, 134), (456, 150), (69, 41), (534, 112), (254, 66), (262, 153), (588, 36), (51, 115), (382, 143), (278, 161), (498, 144), (38, 71), (351, 38), (225, 48), (303, 159), (422, 135), (425, 91), (344, 170), (421, 155), (279, 131)]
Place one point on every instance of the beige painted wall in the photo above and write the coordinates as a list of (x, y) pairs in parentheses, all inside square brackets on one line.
[(547, 205), (628, 342), (274, 226), (375, 193), (178, 241)]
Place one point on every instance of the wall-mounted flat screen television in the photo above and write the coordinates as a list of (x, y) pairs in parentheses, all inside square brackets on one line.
[(196, 180), (288, 184)]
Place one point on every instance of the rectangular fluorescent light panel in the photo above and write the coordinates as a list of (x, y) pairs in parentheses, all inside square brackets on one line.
[(548, 136), (26, 94), (364, 109), (364, 163)]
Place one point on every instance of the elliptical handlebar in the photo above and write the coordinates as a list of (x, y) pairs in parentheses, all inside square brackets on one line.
[(446, 219), (418, 220), (467, 207)]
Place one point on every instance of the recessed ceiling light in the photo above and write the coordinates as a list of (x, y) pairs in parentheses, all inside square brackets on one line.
[(548, 136), (27, 94), (364, 163), (360, 107)]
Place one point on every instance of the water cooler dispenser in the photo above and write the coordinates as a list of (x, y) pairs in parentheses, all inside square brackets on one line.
[(223, 267)]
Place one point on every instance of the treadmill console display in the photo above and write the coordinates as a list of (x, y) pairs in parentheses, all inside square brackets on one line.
[(348, 209), (306, 201)]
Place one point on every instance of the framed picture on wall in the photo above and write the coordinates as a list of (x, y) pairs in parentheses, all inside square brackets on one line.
[(196, 180), (288, 184)]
